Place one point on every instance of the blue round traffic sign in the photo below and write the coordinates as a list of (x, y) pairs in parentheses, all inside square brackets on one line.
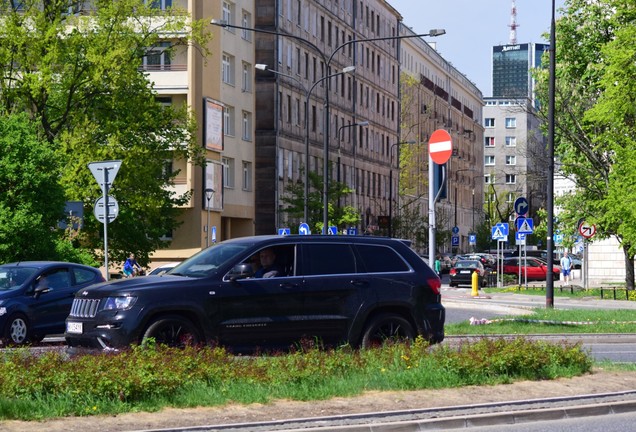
[(521, 206), (303, 229)]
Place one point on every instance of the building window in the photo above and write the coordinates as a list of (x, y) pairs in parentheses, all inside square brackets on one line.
[(510, 197), (227, 69), (246, 78), (228, 16), (247, 176), (246, 21), (511, 178), (511, 141), (158, 58), (489, 179), (490, 123), (511, 122), (489, 160), (228, 120), (228, 172), (155, 4), (489, 141), (247, 126), (511, 160)]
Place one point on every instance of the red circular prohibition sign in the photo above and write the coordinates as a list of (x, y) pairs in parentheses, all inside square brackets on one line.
[(440, 146)]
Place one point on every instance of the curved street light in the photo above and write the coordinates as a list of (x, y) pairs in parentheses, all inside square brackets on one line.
[(209, 193)]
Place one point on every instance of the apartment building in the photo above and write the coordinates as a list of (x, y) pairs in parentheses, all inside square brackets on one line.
[(220, 92), (309, 46), (435, 95)]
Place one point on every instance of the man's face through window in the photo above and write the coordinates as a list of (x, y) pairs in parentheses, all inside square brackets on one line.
[(267, 257)]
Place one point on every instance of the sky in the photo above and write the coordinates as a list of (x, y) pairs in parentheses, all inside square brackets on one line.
[(473, 27)]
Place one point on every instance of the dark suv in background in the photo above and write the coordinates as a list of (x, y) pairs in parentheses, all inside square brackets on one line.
[(355, 290)]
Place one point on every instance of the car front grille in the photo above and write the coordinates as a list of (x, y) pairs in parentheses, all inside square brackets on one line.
[(84, 308)]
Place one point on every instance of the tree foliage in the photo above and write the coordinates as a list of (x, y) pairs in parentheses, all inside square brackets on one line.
[(80, 79), (594, 119), (31, 198), (342, 216)]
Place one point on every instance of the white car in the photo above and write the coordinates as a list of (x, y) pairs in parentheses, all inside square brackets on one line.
[(158, 271)]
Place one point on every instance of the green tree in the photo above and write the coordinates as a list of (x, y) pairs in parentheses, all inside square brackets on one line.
[(592, 121), (81, 79), (31, 198), (342, 216)]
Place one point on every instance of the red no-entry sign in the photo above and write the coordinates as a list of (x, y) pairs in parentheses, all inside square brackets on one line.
[(440, 146)]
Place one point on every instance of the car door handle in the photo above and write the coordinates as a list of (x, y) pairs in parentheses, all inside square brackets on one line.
[(289, 285), (359, 282)]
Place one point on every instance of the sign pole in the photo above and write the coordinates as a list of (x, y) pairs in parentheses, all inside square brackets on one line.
[(105, 190), (431, 212)]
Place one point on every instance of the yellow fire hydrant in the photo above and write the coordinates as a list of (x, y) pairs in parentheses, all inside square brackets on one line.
[(475, 284)]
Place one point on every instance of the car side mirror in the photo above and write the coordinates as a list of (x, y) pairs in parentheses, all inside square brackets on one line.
[(241, 271)]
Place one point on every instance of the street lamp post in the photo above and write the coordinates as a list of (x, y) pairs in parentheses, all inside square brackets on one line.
[(209, 193), (308, 91), (327, 62), (391, 181)]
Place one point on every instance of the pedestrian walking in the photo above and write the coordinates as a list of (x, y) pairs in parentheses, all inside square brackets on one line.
[(566, 267)]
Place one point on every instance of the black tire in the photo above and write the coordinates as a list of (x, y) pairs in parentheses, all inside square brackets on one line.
[(385, 328), (17, 331), (173, 331)]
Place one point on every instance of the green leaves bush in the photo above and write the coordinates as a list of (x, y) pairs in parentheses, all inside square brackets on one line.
[(151, 377)]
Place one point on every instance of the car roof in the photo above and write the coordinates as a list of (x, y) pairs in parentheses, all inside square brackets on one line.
[(44, 264), (316, 238)]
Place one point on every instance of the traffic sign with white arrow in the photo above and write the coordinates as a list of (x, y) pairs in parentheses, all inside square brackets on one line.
[(521, 206)]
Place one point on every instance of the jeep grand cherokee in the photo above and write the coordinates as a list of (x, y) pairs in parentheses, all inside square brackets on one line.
[(342, 289)]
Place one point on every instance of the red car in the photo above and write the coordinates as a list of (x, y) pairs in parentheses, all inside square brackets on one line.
[(534, 268)]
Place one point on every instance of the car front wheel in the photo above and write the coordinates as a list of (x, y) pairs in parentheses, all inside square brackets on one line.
[(17, 330), (173, 331), (387, 327)]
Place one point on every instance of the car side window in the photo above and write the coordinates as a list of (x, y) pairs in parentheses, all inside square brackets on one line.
[(83, 276), (56, 279), (329, 258), (381, 259)]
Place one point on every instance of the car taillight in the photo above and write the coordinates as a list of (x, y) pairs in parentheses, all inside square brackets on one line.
[(453, 271), (435, 284)]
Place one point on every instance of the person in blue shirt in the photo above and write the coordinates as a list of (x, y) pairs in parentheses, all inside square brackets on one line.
[(566, 266), (131, 268)]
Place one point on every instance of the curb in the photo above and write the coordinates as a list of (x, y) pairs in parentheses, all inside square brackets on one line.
[(444, 420)]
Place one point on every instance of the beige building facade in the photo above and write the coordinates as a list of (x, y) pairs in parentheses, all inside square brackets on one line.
[(434, 96)]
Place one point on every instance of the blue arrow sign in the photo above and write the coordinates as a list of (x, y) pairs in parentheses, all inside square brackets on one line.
[(303, 229), (521, 206), (455, 230)]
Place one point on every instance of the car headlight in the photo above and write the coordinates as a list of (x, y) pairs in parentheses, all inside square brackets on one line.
[(119, 303)]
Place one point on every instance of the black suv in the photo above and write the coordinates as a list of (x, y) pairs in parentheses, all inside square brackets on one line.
[(331, 290)]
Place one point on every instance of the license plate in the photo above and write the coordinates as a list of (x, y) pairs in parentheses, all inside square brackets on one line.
[(74, 327), (465, 271)]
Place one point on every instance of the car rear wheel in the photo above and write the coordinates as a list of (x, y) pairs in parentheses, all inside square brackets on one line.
[(173, 331), (385, 328), (17, 330)]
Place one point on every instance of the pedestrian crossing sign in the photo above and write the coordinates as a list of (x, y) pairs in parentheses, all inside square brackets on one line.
[(525, 225)]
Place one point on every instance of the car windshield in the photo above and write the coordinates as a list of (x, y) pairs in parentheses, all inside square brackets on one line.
[(206, 262), (13, 277)]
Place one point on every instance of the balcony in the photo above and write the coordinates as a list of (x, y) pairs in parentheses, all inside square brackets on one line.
[(168, 78)]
